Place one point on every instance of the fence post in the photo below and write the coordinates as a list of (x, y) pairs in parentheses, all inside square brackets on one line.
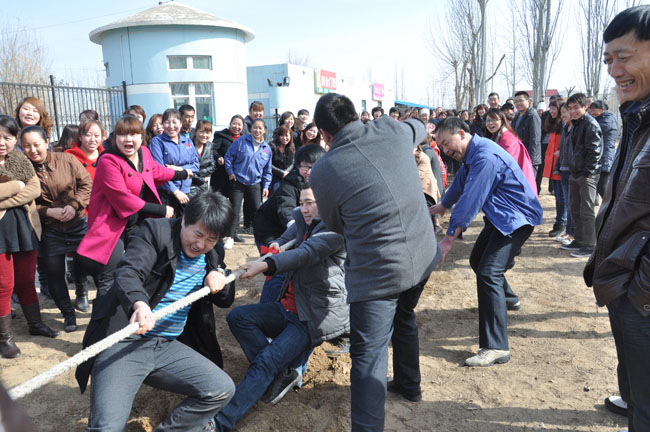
[(56, 110), (126, 101)]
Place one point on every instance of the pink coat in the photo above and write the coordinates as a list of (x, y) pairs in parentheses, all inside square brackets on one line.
[(115, 197), (517, 150)]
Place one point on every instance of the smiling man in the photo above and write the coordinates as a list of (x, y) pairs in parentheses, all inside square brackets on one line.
[(490, 181), (166, 260), (619, 269)]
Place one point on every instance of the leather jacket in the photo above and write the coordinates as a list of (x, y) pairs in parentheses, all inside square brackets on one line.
[(620, 264), (587, 144)]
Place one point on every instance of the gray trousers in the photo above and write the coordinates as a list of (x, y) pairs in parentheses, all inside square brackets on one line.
[(168, 365), (582, 195)]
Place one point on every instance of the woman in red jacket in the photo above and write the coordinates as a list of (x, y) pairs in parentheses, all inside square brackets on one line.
[(123, 195), (553, 126), (89, 147)]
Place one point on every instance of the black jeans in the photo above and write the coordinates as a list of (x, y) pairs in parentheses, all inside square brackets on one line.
[(251, 196), (493, 254), (582, 193)]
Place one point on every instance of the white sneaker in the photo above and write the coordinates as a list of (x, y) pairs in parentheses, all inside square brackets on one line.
[(567, 240), (561, 237), (228, 244), (488, 357)]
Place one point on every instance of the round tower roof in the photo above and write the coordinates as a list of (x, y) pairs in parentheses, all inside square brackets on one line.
[(171, 13)]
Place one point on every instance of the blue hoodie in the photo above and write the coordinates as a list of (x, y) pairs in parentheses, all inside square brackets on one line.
[(249, 166)]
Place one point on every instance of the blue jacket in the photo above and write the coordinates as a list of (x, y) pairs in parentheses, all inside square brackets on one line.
[(490, 180), (184, 155), (249, 166), (609, 127)]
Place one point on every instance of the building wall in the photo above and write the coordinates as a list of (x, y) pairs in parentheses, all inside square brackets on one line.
[(301, 93), (138, 56)]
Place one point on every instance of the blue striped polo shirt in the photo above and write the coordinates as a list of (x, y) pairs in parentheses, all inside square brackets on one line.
[(189, 278)]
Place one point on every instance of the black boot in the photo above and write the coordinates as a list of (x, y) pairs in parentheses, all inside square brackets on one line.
[(8, 348), (81, 302), (36, 325), (69, 322)]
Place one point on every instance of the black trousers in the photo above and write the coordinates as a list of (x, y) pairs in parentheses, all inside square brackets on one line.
[(251, 196)]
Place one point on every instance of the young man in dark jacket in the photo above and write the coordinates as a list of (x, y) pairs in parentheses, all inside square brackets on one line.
[(166, 260), (528, 126), (310, 309), (609, 127), (619, 269), (368, 189), (584, 166)]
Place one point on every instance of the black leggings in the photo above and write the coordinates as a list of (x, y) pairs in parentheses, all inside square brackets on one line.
[(55, 270)]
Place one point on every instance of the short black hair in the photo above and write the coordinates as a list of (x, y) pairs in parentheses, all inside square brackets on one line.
[(212, 210), (303, 111), (635, 19), (598, 104), (392, 110), (305, 186), (309, 153), (493, 94), (507, 106), (10, 124), (523, 93), (333, 111), (33, 129), (452, 125), (579, 98), (184, 108), (377, 108)]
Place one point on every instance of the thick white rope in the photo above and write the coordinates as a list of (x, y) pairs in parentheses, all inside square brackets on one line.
[(40, 380)]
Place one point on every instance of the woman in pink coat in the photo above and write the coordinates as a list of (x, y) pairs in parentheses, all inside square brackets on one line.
[(123, 194), (498, 130)]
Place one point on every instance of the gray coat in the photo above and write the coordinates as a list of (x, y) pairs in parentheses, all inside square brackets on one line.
[(368, 189), (609, 127), (315, 266), (207, 165), (528, 127)]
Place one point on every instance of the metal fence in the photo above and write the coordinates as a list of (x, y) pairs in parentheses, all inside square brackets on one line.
[(64, 103)]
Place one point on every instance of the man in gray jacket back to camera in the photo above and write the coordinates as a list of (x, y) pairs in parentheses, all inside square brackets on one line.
[(367, 188)]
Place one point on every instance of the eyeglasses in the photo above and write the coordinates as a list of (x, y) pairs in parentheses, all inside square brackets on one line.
[(304, 168), (492, 120)]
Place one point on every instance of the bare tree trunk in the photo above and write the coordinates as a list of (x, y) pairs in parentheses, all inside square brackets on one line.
[(595, 16)]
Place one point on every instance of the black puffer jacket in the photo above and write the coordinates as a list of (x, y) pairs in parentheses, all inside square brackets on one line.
[(274, 215), (221, 142)]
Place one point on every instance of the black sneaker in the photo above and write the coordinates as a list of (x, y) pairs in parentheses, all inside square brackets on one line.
[(238, 239), (583, 252), (557, 230), (513, 306), (616, 405), (573, 246), (393, 388), (69, 323), (282, 383)]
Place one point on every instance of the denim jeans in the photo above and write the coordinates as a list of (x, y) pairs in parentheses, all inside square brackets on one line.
[(272, 285), (492, 255), (631, 332), (168, 365), (251, 324), (567, 201), (371, 328), (560, 204), (583, 200)]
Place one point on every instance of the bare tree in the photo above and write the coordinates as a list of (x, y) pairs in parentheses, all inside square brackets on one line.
[(22, 59), (293, 57), (399, 82), (594, 17), (538, 20)]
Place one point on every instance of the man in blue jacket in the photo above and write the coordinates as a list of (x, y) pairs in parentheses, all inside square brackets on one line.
[(490, 181), (368, 189), (609, 127)]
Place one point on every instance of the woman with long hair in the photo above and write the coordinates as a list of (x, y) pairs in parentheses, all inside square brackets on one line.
[(283, 155), (311, 135), (553, 127), (562, 166), (477, 125), (31, 112), (20, 229), (65, 192), (154, 128), (497, 129), (203, 147)]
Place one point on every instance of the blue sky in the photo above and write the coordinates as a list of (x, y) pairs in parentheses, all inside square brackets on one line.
[(348, 37)]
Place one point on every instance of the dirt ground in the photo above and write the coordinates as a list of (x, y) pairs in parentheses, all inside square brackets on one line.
[(562, 367)]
